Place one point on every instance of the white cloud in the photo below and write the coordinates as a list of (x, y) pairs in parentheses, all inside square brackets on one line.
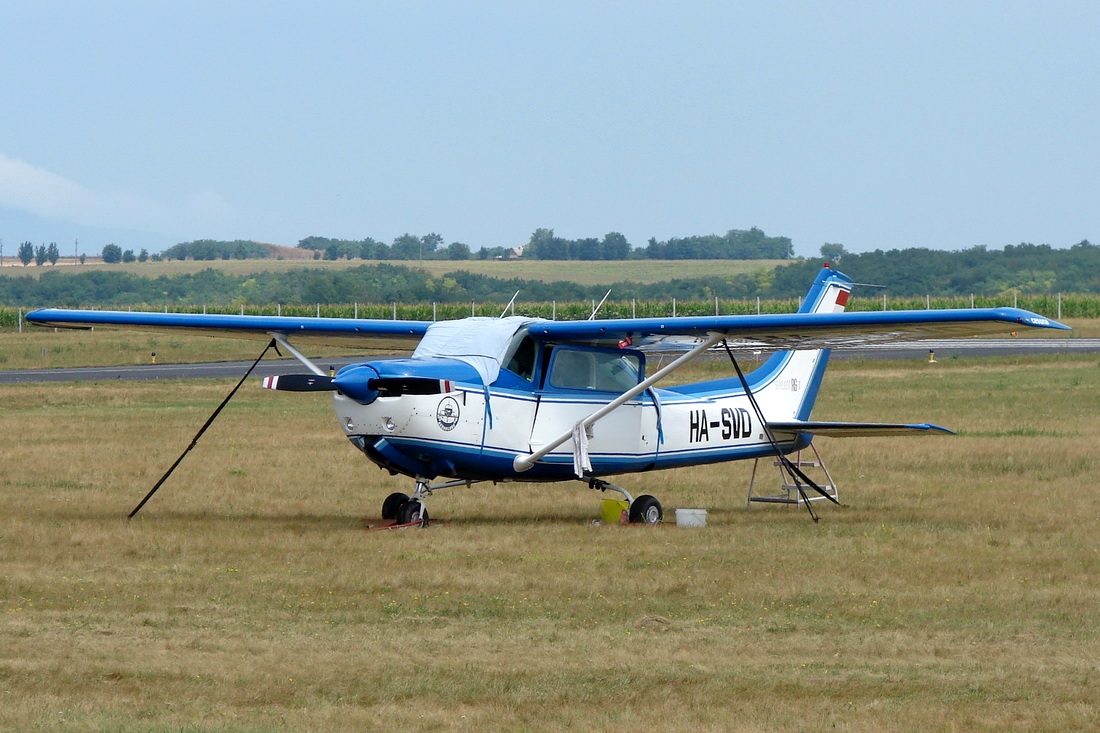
[(25, 187)]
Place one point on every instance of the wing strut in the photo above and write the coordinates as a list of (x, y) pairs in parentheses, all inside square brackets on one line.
[(281, 338), (208, 423), (795, 472)]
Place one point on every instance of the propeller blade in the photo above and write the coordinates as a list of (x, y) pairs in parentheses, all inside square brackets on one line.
[(299, 383)]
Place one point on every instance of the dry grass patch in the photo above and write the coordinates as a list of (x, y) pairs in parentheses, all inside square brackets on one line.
[(584, 272), (41, 348), (955, 591)]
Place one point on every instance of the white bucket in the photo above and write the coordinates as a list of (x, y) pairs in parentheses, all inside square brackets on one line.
[(691, 517)]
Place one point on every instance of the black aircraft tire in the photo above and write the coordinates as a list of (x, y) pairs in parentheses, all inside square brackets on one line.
[(392, 505), (410, 512), (645, 510)]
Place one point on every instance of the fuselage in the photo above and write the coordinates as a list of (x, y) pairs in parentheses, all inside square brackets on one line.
[(480, 392), (474, 432)]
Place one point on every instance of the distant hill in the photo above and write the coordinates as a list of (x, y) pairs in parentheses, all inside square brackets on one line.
[(1023, 270)]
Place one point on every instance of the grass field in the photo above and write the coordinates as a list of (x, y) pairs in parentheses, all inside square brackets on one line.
[(955, 591), (40, 348)]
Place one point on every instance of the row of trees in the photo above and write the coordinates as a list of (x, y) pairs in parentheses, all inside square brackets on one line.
[(736, 244), (40, 255), (112, 254), (209, 249), (406, 247), (543, 244), (1024, 268), (44, 253)]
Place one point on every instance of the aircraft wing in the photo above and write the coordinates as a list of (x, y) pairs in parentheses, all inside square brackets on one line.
[(788, 430), (354, 332), (794, 330), (771, 331)]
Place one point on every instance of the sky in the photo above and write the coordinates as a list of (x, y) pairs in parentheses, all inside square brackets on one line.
[(874, 125)]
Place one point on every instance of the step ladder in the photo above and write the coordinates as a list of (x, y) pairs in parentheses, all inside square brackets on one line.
[(813, 467)]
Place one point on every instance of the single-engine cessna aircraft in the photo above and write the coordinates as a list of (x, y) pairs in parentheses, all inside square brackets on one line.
[(527, 399)]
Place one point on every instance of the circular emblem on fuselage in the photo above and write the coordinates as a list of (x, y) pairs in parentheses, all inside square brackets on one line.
[(447, 413)]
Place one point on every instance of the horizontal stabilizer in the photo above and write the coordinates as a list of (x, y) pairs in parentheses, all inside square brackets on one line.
[(299, 383), (855, 429)]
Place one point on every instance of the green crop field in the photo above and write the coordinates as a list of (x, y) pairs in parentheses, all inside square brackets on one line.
[(955, 590)]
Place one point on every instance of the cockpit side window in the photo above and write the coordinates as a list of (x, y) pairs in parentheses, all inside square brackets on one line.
[(600, 371), (571, 369)]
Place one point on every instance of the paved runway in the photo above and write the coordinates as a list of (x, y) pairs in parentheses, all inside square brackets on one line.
[(234, 369), (973, 347)]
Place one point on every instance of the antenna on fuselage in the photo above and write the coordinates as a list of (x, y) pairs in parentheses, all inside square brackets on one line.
[(597, 308), (513, 300)]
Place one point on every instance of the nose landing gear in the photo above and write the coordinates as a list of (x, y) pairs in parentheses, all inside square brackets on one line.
[(403, 510)]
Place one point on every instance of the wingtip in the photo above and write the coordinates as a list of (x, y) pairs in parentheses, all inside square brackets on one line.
[(1040, 322), (1032, 320)]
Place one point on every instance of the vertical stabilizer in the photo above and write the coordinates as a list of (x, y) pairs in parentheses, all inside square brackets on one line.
[(829, 293), (786, 384)]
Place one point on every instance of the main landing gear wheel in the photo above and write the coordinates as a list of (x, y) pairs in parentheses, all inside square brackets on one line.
[(412, 512), (645, 510), (392, 505)]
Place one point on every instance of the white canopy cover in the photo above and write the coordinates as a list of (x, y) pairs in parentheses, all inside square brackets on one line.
[(481, 342)]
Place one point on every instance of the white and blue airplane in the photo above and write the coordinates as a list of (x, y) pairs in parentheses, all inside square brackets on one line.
[(527, 399)]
